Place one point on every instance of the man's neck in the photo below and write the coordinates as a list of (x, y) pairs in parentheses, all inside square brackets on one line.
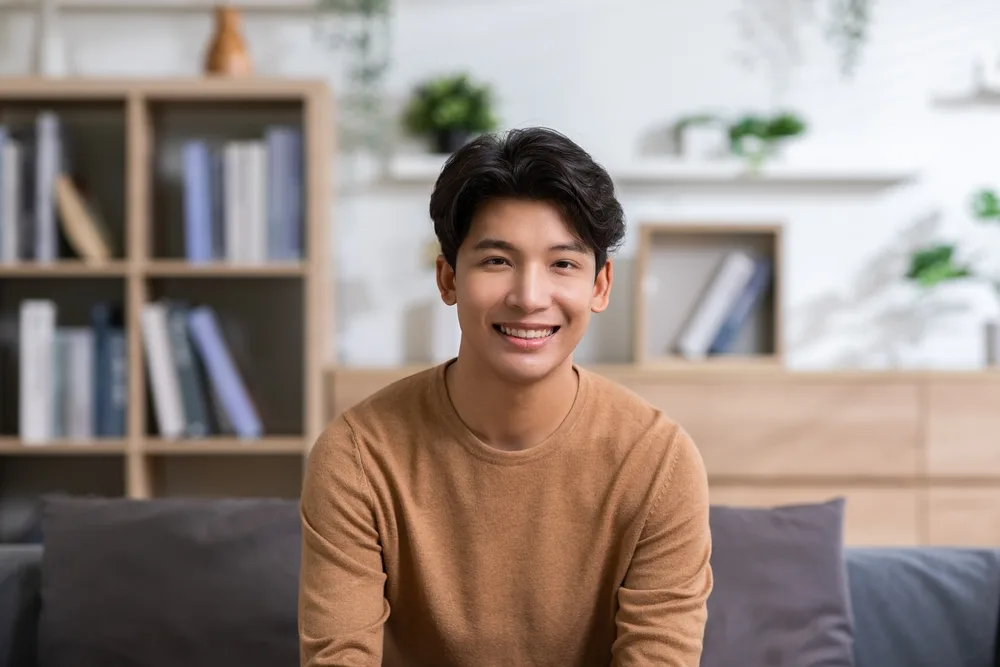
[(507, 415)]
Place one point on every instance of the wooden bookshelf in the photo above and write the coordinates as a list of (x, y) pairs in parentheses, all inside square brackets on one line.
[(675, 264), (274, 314)]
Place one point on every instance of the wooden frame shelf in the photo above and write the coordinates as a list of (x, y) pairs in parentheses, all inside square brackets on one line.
[(678, 267), (273, 310)]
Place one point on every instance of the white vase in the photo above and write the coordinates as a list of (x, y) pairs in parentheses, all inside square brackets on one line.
[(50, 49)]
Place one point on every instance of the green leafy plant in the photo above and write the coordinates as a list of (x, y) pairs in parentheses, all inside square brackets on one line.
[(751, 136), (936, 264), (755, 136), (450, 109), (360, 29)]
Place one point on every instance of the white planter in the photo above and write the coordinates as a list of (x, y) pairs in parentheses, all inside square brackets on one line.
[(703, 143), (49, 58)]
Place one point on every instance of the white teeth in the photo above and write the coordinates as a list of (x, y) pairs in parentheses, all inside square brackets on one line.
[(526, 333)]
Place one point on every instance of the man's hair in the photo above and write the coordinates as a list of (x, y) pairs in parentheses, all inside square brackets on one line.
[(536, 164)]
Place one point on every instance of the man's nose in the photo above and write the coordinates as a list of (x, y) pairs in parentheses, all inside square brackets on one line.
[(530, 291)]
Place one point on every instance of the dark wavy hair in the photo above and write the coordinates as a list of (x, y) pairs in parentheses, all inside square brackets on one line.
[(532, 163)]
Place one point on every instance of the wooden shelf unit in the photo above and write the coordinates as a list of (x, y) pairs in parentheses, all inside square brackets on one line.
[(275, 316), (675, 264)]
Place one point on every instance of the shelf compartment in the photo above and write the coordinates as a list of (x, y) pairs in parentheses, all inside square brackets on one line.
[(205, 147), (73, 302), (269, 356), (677, 264), (224, 475), (88, 144)]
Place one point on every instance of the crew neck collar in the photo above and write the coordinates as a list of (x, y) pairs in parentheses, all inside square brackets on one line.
[(481, 450)]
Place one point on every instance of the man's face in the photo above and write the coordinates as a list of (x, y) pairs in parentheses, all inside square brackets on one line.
[(525, 287)]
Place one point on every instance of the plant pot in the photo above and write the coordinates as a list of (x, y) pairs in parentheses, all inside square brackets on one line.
[(449, 141), (227, 53)]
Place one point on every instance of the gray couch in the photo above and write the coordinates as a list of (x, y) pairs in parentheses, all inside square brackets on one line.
[(911, 607)]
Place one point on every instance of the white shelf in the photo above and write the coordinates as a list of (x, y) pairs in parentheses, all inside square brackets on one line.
[(424, 169), (969, 99)]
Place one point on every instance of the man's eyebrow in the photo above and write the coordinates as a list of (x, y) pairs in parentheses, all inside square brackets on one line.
[(494, 244), (574, 246), (498, 244)]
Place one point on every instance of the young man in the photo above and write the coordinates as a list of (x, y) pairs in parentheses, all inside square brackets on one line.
[(509, 507)]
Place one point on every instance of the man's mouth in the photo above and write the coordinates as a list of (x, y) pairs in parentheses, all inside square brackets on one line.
[(525, 332)]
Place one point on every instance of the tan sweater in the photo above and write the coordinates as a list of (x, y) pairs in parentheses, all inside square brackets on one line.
[(424, 546)]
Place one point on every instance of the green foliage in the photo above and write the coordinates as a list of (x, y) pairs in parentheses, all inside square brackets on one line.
[(986, 205), (450, 103), (767, 130), (936, 264), (359, 31), (849, 25)]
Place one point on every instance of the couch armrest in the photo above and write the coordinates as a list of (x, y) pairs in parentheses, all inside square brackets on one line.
[(20, 604)]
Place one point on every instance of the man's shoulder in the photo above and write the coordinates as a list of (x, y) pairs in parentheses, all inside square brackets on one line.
[(398, 403), (631, 422)]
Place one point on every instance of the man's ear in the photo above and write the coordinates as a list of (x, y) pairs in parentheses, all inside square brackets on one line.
[(446, 280), (602, 288)]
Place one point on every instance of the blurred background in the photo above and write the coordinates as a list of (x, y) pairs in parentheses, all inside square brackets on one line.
[(214, 234)]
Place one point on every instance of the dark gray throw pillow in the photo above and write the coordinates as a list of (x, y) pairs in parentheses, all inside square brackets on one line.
[(163, 583), (781, 595)]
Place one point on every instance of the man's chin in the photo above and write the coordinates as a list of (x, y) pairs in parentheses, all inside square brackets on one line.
[(527, 369)]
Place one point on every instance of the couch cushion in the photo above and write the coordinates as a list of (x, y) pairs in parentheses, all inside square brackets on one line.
[(169, 582), (780, 596), (924, 607), (19, 604)]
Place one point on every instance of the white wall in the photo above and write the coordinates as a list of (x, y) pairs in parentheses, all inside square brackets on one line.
[(609, 72)]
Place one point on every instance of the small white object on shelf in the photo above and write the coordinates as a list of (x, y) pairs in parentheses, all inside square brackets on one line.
[(50, 49), (986, 70)]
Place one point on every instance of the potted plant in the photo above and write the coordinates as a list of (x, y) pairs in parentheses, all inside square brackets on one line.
[(757, 137), (938, 263), (450, 110)]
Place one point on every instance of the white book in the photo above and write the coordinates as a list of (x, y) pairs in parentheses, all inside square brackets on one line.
[(79, 378), (255, 194), (232, 179), (37, 328), (163, 380), (10, 208), (726, 286)]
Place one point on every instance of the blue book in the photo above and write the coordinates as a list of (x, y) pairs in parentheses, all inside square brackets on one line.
[(738, 315), (223, 375), (284, 193), (197, 202)]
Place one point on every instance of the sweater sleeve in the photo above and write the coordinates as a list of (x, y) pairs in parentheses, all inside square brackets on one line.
[(662, 601), (342, 605)]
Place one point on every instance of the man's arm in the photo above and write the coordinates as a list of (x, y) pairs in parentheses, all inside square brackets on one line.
[(662, 601), (342, 606)]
